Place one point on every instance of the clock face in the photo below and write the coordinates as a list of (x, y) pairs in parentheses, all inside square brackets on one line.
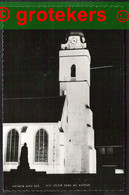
[(73, 40)]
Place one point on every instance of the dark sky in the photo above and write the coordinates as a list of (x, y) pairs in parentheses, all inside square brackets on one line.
[(31, 64)]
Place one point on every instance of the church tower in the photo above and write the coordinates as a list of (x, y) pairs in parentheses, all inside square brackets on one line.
[(74, 78)]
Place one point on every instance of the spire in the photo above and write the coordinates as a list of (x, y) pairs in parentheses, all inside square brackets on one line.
[(75, 40)]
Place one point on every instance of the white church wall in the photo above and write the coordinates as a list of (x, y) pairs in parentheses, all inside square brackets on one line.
[(6, 129), (76, 91), (80, 58), (29, 138), (93, 162), (73, 162), (61, 169), (78, 136), (88, 164), (90, 137)]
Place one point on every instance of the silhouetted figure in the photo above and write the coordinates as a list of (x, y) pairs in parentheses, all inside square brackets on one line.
[(24, 165)]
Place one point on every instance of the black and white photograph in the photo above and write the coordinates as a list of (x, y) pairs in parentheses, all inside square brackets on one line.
[(64, 110)]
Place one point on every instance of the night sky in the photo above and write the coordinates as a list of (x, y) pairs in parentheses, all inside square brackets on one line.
[(31, 62)]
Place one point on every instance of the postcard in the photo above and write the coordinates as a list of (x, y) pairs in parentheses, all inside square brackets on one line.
[(63, 106)]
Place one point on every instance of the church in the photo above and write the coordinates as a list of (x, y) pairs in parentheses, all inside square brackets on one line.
[(58, 131)]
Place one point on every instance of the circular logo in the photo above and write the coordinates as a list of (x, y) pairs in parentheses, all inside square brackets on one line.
[(4, 14), (122, 16)]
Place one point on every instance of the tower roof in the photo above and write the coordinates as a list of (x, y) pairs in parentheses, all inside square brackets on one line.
[(75, 33), (33, 110)]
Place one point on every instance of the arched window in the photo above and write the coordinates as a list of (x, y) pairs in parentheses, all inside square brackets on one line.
[(73, 71), (12, 146), (41, 146)]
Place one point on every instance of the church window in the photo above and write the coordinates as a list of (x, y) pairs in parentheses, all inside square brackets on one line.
[(41, 146), (12, 146), (73, 71)]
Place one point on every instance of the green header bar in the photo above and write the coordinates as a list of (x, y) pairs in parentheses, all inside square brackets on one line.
[(64, 15)]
